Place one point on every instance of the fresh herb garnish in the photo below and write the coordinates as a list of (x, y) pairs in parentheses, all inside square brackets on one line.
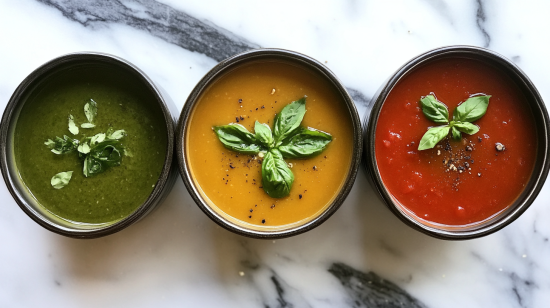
[(72, 127), (61, 179), (287, 140), (469, 111), (98, 152), (90, 109), (62, 145)]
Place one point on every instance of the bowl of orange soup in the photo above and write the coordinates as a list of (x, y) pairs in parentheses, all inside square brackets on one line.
[(269, 143), (457, 142)]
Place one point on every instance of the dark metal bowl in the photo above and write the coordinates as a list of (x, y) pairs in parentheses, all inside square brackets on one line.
[(7, 160), (542, 164), (229, 64)]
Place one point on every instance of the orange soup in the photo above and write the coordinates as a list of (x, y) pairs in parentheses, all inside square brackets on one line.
[(231, 183)]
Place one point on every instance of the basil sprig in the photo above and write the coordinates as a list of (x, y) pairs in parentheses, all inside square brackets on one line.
[(98, 152), (62, 145), (469, 111), (286, 140)]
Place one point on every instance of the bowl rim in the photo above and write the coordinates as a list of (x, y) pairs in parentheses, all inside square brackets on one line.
[(27, 86), (230, 63), (537, 106)]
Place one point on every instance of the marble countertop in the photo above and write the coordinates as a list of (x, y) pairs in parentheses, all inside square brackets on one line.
[(362, 256)]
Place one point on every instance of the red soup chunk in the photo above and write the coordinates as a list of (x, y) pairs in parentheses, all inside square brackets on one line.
[(456, 182)]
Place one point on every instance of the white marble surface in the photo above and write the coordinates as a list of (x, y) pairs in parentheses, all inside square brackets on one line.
[(179, 257)]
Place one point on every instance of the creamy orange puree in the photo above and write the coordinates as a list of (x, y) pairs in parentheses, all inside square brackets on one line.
[(232, 183)]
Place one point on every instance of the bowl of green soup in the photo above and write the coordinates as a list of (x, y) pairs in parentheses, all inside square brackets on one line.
[(87, 145)]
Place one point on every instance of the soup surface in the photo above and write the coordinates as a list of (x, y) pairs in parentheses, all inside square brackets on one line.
[(232, 182), (479, 181), (122, 104)]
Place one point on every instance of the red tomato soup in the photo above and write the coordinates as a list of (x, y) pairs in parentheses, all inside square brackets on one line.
[(479, 181)]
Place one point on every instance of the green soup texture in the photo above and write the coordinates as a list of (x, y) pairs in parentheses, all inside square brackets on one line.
[(122, 103)]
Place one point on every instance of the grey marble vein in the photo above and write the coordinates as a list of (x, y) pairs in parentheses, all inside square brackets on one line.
[(370, 290), (159, 20), (480, 21)]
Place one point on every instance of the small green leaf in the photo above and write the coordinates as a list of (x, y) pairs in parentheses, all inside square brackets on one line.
[(115, 135), (263, 134), (472, 109), (307, 143), (87, 125), (62, 145), (97, 139), (90, 109), (466, 127), (288, 120), (456, 133), (434, 109), (235, 137), (433, 136), (84, 148), (61, 179), (277, 178), (72, 127)]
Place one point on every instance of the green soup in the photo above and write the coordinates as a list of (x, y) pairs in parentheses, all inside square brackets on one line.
[(122, 103)]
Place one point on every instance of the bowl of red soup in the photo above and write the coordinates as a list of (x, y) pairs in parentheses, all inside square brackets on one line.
[(457, 142)]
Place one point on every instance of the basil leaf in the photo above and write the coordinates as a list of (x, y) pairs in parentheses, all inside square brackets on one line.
[(72, 127), (472, 109), (61, 179), (288, 120), (91, 166), (235, 137), (87, 125), (466, 127), (115, 135), (307, 143), (62, 145), (102, 156), (277, 178), (456, 133), (433, 136), (97, 139), (84, 148), (434, 109), (90, 109), (263, 134)]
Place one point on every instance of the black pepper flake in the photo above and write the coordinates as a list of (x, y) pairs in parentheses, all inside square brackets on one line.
[(273, 206), (479, 139), (240, 100), (231, 166), (237, 118), (472, 161), (250, 216), (314, 167), (251, 210), (300, 195), (256, 108), (242, 118), (263, 221), (256, 205), (263, 107)]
